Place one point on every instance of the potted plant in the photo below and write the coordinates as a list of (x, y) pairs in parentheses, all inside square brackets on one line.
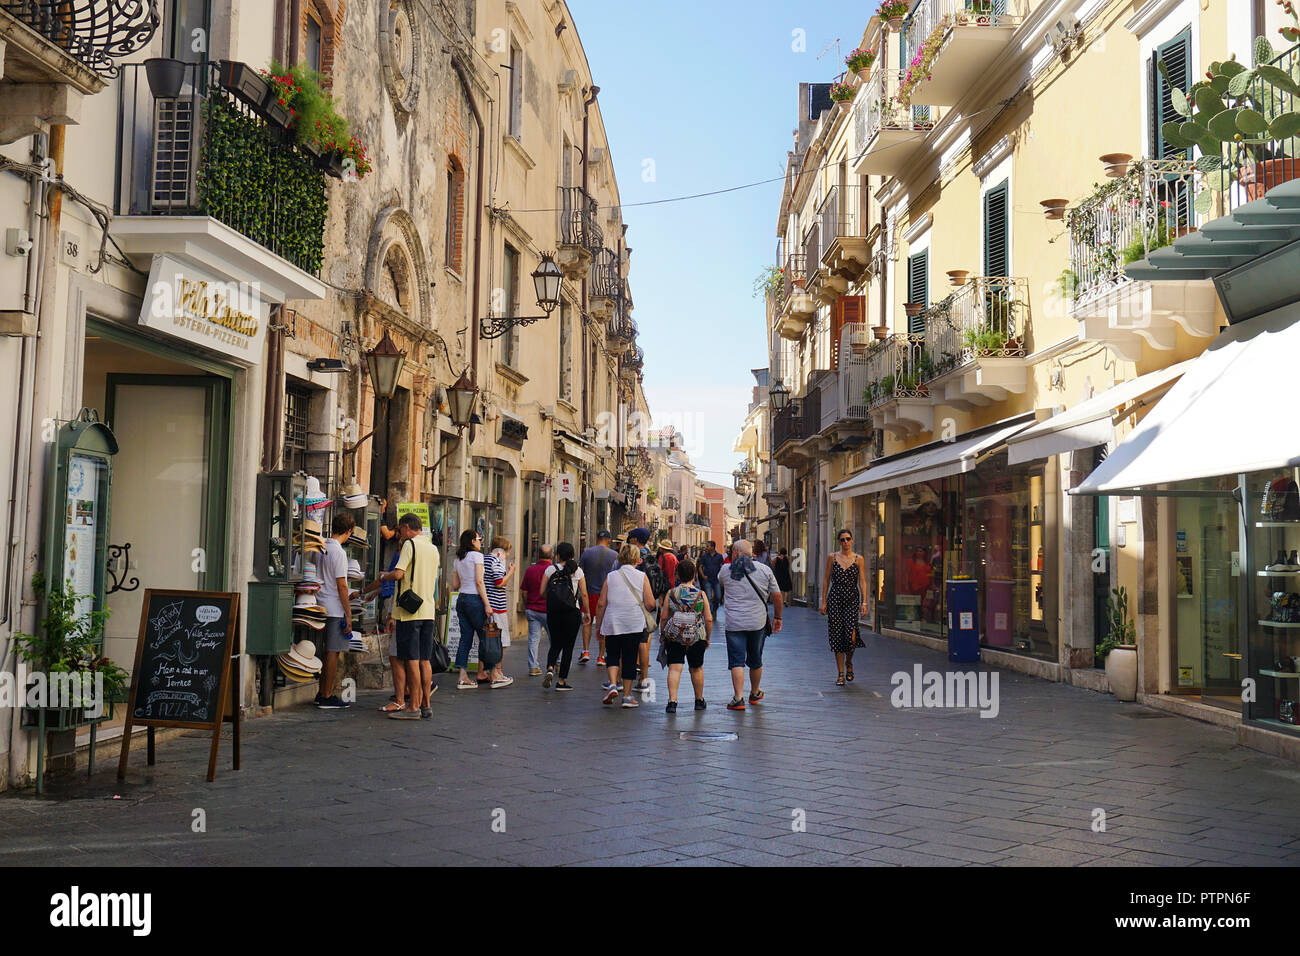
[(913, 309), (1116, 164), (860, 62), (243, 81), (1119, 649), (880, 331), (892, 13), (957, 277), (70, 643), (887, 387), (843, 92), (1054, 208), (281, 88), (166, 77)]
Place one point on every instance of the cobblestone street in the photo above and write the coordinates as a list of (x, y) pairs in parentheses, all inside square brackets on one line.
[(579, 783)]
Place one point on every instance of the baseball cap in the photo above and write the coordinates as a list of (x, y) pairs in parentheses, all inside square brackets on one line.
[(603, 533), (639, 534)]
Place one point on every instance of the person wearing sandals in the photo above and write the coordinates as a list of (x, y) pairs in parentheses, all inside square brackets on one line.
[(685, 626), (564, 617), (416, 570), (845, 598), (472, 603), (498, 569), (746, 589), (624, 617)]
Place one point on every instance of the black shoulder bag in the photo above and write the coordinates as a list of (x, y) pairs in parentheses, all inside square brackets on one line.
[(408, 600)]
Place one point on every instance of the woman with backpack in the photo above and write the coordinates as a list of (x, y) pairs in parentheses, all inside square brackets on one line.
[(685, 626), (565, 591)]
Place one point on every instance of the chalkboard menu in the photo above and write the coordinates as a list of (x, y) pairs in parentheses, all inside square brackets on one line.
[(182, 670), (181, 659)]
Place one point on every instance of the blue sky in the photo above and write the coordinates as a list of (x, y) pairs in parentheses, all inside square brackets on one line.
[(707, 90)]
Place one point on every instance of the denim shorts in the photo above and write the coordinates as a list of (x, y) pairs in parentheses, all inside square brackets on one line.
[(745, 649), (414, 640)]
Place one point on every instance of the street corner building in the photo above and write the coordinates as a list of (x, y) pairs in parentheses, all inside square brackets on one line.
[(1026, 339), (267, 262)]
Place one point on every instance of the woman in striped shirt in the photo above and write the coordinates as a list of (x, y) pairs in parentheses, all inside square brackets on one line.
[(498, 569)]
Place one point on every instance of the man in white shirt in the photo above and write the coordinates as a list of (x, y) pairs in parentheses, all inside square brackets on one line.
[(333, 568)]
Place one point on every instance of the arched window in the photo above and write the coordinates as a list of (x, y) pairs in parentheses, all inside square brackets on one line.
[(454, 239)]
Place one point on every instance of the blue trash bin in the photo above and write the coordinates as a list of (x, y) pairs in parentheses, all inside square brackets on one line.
[(963, 620)]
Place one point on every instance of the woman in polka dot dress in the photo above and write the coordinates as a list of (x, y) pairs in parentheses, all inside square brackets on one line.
[(845, 597)]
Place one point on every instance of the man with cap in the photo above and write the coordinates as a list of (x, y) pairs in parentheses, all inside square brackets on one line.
[(333, 568), (596, 562)]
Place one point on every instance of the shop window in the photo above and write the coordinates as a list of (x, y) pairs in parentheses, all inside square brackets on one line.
[(997, 237), (918, 288), (297, 419)]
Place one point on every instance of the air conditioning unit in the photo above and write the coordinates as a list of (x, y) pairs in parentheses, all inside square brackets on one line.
[(177, 136)]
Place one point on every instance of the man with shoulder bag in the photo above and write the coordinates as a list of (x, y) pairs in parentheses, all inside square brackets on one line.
[(415, 610)]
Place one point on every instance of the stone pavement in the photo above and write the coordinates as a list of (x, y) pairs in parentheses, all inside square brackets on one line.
[(578, 783)]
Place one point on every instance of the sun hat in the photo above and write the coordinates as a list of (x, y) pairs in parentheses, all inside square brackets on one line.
[(354, 498), (303, 656), (293, 674), (359, 537)]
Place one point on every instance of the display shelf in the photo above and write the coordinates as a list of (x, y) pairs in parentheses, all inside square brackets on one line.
[(1282, 674), (1278, 624)]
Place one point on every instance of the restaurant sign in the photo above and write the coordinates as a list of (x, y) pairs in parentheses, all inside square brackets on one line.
[(190, 303)]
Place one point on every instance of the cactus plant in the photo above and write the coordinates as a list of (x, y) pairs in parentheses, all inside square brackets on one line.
[(1237, 114)]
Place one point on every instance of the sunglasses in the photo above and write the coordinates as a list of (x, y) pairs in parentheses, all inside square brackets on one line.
[(842, 540)]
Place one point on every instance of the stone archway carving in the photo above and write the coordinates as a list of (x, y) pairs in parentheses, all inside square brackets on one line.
[(395, 227), (400, 52)]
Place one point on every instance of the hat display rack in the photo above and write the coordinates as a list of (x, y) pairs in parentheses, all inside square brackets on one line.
[(314, 502), (352, 497)]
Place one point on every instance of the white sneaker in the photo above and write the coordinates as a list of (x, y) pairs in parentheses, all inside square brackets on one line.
[(629, 703)]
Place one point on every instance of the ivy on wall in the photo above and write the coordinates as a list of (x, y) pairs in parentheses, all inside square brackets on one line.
[(257, 184)]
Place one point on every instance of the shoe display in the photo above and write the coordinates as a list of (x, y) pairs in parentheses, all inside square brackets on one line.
[(1280, 563)]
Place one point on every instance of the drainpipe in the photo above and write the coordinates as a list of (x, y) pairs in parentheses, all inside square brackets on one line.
[(586, 139)]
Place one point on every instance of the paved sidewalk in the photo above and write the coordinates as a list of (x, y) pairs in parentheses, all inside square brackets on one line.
[(574, 782)]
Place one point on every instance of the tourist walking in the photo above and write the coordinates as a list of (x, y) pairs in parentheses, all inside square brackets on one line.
[(416, 572), (535, 606), (747, 588), (760, 552), (660, 582), (709, 566), (596, 562), (781, 568), (564, 590), (668, 561), (498, 569), (685, 627), (471, 606), (844, 600), (623, 616)]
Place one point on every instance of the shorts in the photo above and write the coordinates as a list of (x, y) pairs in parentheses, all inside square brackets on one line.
[(745, 649), (414, 640), (692, 656), (621, 651), (334, 637)]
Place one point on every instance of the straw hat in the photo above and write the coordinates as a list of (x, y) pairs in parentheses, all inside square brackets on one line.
[(292, 673), (359, 537), (354, 498), (303, 656)]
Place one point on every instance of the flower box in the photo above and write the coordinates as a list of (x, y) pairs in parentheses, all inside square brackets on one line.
[(244, 82)]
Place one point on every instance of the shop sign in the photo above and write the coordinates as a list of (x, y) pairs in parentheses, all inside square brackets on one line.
[(566, 486), (204, 309), (420, 510)]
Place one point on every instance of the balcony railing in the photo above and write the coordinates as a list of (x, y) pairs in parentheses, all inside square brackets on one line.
[(206, 153), (634, 361), (840, 214), (812, 255), (93, 32), (957, 61), (787, 426), (578, 220), (1126, 219), (793, 278), (878, 110), (897, 368), (986, 318), (605, 279), (856, 346)]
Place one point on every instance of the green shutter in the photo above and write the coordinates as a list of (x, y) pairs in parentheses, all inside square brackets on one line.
[(1177, 57), (997, 238), (918, 287)]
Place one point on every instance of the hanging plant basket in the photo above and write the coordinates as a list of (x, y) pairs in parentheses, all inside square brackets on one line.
[(880, 331), (1117, 164), (1054, 209), (166, 77), (331, 163), (273, 111), (895, 24), (957, 277), (913, 309)]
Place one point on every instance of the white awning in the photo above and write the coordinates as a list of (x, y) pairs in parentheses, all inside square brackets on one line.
[(1228, 414), (936, 460), (1088, 423)]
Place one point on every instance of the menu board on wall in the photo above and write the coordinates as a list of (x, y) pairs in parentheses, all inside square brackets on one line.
[(80, 526), (452, 633), (420, 510)]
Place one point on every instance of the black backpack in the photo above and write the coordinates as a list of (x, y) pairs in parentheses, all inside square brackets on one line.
[(659, 583), (560, 597)]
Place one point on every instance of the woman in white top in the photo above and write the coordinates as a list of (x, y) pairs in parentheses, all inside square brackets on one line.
[(562, 622), (621, 618), (471, 605)]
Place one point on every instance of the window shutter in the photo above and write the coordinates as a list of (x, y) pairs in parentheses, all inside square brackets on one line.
[(996, 238), (918, 287), (848, 309), (1177, 56)]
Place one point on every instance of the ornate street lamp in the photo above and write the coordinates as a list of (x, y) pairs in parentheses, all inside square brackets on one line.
[(385, 362), (548, 282), (779, 396), (460, 404)]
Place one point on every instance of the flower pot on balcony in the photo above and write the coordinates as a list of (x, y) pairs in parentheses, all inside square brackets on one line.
[(331, 163), (273, 110), (1054, 208), (881, 332), (913, 309), (957, 277), (1259, 178), (865, 75), (859, 341), (243, 81), (1117, 164), (166, 77), (895, 24)]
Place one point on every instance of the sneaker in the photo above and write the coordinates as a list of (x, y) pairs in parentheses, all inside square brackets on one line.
[(756, 697), (585, 658), (534, 672), (629, 703), (701, 705), (599, 660), (319, 699), (611, 694), (1291, 563), (404, 715), (563, 686), (426, 712), (671, 708), (1279, 563), (737, 703), (642, 687), (503, 682), (548, 680), (333, 703)]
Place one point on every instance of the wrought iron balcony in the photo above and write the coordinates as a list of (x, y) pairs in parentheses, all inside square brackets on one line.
[(886, 129), (964, 37), (93, 32), (604, 284), (620, 334), (787, 427), (795, 306), (579, 215), (206, 153), (975, 342), (633, 362), (856, 343)]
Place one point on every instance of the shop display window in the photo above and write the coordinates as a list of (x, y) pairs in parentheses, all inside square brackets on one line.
[(924, 555), (1273, 616)]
